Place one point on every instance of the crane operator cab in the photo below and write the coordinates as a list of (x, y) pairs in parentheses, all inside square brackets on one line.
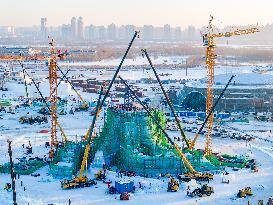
[(205, 40)]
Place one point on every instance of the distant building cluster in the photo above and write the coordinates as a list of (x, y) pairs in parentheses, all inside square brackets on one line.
[(77, 31)]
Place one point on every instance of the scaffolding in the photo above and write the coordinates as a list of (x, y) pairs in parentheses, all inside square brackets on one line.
[(131, 141), (67, 160)]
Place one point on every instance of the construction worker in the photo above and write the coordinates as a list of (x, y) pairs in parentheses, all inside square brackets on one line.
[(260, 202), (270, 201), (188, 190)]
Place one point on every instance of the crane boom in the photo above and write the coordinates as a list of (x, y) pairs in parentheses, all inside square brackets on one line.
[(211, 111), (118, 69), (235, 33), (90, 137), (78, 94), (167, 99)]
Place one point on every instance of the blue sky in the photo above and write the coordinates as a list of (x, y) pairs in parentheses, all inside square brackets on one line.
[(137, 12)]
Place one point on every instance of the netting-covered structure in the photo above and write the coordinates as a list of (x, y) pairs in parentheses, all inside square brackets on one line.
[(67, 160), (132, 142)]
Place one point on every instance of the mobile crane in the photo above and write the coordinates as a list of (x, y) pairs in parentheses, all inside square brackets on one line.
[(81, 180), (208, 41)]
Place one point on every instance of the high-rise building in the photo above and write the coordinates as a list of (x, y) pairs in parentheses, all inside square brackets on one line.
[(43, 28), (177, 33), (80, 28), (148, 32), (126, 32), (91, 30), (73, 27), (101, 33), (191, 33), (66, 32), (167, 32), (130, 29), (112, 32)]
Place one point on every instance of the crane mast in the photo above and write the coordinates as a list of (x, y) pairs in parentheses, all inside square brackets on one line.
[(210, 62), (53, 82)]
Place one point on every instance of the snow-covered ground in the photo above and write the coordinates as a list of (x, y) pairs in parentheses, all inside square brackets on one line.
[(45, 190)]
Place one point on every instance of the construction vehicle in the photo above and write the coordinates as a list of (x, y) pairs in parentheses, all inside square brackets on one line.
[(33, 120), (7, 187), (205, 190), (81, 180), (100, 175), (192, 173), (44, 111), (77, 183), (244, 192), (90, 135), (208, 42), (173, 185), (124, 196), (206, 176)]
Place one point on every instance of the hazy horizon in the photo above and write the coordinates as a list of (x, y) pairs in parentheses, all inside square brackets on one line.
[(139, 13)]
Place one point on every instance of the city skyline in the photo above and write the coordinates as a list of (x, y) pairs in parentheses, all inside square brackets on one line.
[(175, 12)]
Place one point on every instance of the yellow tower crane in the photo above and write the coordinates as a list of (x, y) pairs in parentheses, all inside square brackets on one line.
[(208, 40)]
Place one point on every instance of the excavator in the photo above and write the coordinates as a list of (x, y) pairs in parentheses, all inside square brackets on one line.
[(100, 175), (173, 185), (192, 173), (204, 190), (244, 192)]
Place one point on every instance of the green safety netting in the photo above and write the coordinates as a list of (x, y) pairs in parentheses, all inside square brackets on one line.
[(24, 168), (131, 141), (67, 160)]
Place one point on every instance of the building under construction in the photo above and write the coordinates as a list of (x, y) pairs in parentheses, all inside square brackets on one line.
[(132, 142)]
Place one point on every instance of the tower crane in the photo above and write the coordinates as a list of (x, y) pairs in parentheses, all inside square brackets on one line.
[(51, 59), (208, 40)]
